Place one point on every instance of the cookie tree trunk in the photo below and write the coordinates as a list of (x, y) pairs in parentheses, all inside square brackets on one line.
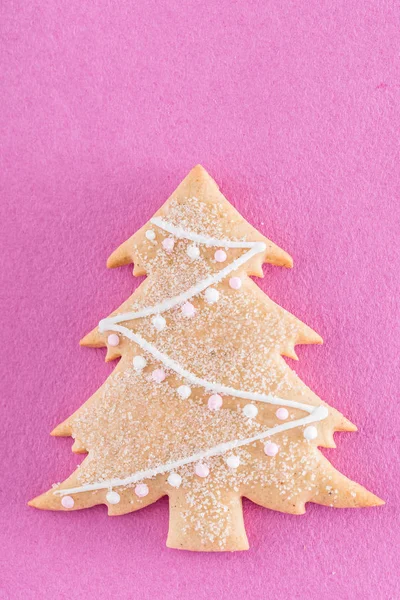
[(201, 406), (224, 521)]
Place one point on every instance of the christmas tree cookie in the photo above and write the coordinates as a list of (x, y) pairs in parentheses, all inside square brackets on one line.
[(202, 406)]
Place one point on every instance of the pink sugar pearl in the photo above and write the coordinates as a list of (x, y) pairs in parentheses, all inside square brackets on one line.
[(113, 339), (141, 490), (202, 470), (158, 375), (188, 310), (282, 413), (235, 283), (214, 402), (220, 256), (168, 244), (271, 449), (67, 502)]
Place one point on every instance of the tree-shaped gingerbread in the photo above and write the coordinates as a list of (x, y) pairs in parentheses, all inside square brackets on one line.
[(201, 406)]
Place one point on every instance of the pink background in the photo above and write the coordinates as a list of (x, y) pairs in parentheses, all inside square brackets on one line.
[(293, 107)]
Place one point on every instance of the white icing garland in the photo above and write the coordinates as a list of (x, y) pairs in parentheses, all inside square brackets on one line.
[(111, 324), (161, 307), (210, 386), (254, 248), (196, 237), (318, 414)]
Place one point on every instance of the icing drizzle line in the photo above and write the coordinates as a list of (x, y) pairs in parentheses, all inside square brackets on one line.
[(200, 239), (160, 307), (208, 385), (317, 413)]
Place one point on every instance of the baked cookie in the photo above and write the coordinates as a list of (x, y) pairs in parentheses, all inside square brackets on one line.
[(201, 406)]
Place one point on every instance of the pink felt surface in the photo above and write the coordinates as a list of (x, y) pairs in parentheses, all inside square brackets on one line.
[(293, 107)]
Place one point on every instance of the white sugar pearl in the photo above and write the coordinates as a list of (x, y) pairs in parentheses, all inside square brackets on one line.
[(168, 244), (211, 295), (184, 391), (250, 410), (159, 322), (113, 497), (67, 502), (271, 449), (188, 310), (282, 413), (220, 256), (174, 480), (233, 462), (202, 470), (193, 252), (235, 283), (310, 432), (139, 363), (150, 234), (141, 490)]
